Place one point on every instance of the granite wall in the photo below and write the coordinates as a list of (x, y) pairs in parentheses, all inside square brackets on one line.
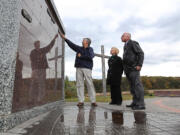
[(9, 35), (10, 26)]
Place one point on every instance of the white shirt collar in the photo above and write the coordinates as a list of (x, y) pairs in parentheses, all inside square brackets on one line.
[(126, 42)]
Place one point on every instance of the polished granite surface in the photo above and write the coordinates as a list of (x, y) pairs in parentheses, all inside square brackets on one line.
[(38, 74)]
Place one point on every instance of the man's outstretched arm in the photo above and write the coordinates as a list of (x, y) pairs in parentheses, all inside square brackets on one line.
[(73, 46), (48, 48)]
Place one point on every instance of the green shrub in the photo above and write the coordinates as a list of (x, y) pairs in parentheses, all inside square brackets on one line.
[(70, 92)]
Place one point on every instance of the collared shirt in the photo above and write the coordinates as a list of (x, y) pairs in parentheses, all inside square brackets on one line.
[(126, 42)]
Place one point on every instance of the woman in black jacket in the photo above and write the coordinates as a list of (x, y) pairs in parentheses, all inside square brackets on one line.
[(114, 76)]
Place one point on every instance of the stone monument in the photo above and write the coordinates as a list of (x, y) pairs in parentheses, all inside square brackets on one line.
[(31, 78)]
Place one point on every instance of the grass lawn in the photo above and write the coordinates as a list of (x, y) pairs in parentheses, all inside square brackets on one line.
[(103, 98)]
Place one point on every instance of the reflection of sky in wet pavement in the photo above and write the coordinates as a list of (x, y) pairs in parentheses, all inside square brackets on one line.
[(99, 121), (89, 120)]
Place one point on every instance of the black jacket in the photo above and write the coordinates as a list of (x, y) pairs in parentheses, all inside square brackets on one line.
[(87, 55), (133, 56), (115, 70)]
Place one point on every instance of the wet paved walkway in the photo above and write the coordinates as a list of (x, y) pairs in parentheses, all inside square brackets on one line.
[(162, 117)]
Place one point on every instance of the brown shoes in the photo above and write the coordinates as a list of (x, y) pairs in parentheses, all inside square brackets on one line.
[(80, 104), (94, 104)]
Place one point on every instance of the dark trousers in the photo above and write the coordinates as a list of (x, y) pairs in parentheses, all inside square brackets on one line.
[(116, 96), (136, 87)]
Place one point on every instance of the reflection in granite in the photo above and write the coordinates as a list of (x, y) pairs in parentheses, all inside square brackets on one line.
[(38, 77), (18, 80), (39, 66)]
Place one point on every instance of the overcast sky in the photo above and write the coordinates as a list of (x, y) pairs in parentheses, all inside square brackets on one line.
[(155, 24)]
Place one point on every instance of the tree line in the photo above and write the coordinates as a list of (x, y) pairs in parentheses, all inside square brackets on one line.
[(149, 83)]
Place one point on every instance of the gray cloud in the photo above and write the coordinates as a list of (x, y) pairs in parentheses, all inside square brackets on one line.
[(166, 28), (156, 58), (131, 24), (163, 32), (169, 27), (79, 28)]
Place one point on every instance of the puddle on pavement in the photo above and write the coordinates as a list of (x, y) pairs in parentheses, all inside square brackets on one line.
[(89, 120)]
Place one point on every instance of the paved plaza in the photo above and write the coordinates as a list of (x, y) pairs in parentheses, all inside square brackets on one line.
[(162, 117)]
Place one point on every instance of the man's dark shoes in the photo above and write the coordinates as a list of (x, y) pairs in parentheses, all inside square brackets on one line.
[(138, 107), (80, 104), (131, 105), (94, 105), (114, 103), (111, 103), (119, 104)]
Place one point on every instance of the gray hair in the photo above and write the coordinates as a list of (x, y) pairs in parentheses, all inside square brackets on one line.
[(128, 34), (36, 42), (88, 40)]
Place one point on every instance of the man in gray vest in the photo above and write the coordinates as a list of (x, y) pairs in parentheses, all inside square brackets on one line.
[(133, 58)]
